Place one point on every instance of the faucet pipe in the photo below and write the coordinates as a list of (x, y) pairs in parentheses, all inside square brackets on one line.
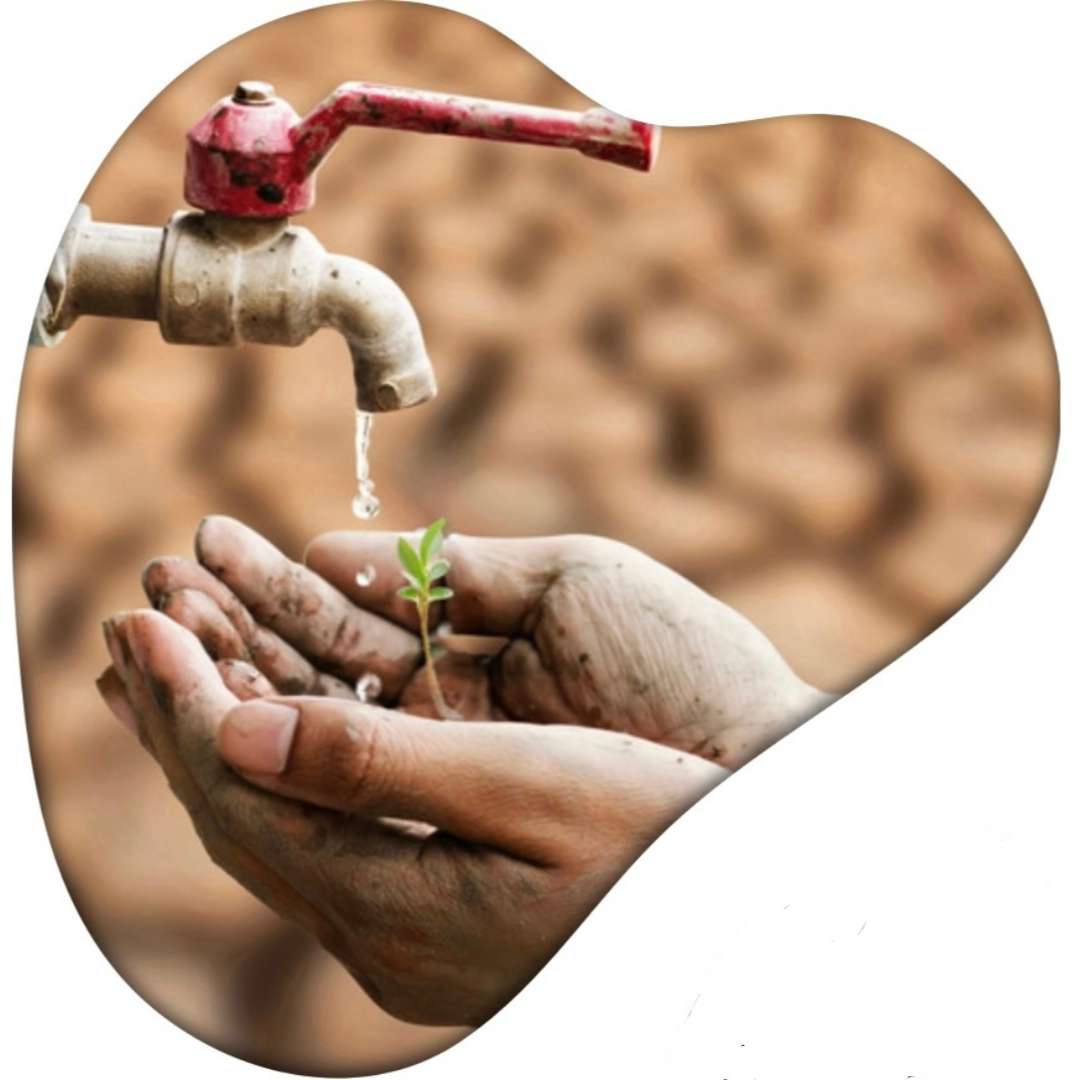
[(212, 279)]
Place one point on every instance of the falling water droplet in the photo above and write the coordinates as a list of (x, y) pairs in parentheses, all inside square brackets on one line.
[(366, 576), (368, 687), (365, 506)]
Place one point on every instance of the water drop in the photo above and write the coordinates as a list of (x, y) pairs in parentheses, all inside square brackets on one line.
[(368, 687), (366, 576), (365, 506)]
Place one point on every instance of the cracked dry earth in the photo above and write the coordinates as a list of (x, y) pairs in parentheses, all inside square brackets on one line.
[(799, 363)]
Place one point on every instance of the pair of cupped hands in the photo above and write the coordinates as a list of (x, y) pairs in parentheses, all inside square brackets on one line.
[(443, 862)]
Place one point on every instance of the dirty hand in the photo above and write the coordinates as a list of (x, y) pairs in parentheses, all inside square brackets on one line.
[(561, 630), (442, 863)]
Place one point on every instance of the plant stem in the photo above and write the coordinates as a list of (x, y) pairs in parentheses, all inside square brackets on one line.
[(444, 710)]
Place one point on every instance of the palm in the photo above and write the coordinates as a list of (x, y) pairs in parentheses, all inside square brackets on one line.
[(570, 630)]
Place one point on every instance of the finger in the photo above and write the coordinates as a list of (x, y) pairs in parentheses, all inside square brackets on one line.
[(112, 693), (244, 680), (497, 583), (480, 646), (171, 574), (519, 788), (182, 678), (205, 619), (111, 688), (187, 702), (279, 663), (305, 610), (289, 844), (174, 689), (153, 724), (340, 556), (526, 691), (122, 681), (170, 584)]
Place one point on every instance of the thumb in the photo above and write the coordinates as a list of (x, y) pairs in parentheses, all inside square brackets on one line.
[(525, 789)]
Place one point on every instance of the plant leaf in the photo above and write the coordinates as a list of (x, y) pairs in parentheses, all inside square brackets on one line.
[(440, 568), (440, 592), (409, 592), (410, 560), (432, 540), (413, 581)]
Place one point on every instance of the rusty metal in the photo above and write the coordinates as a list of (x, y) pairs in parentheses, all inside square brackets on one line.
[(252, 156)]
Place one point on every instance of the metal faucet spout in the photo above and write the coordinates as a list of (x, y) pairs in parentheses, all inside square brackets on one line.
[(390, 362), (213, 279)]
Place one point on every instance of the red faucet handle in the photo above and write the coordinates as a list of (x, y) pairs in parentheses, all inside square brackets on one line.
[(241, 158), (596, 133), (252, 156)]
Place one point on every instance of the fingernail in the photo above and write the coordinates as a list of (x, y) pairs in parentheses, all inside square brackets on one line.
[(150, 586), (137, 649), (118, 705), (244, 680), (204, 529), (112, 643), (257, 736)]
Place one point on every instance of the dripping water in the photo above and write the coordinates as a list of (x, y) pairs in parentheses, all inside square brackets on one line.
[(365, 506), (368, 688)]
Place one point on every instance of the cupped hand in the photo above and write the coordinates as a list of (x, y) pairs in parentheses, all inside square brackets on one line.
[(563, 630), (442, 862)]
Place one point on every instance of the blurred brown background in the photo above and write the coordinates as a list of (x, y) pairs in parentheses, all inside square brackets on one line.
[(799, 363)]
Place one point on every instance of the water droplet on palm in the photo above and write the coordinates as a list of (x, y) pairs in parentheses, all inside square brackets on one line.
[(368, 688)]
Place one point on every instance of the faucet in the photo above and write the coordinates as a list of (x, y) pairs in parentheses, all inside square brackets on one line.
[(236, 269)]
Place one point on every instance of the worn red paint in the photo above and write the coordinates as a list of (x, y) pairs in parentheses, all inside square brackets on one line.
[(258, 158)]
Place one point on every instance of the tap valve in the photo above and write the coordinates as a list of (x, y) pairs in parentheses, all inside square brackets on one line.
[(251, 155)]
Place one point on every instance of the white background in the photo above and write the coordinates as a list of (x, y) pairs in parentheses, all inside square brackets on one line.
[(892, 891)]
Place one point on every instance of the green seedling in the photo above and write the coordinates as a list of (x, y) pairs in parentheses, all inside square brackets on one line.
[(422, 567)]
